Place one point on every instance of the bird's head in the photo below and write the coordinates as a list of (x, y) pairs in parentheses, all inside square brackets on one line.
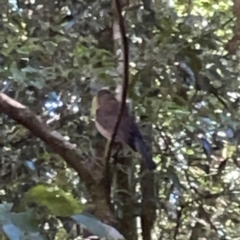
[(104, 96)]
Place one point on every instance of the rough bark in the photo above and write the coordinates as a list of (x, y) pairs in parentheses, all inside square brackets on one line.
[(148, 190), (89, 170), (233, 44), (148, 215)]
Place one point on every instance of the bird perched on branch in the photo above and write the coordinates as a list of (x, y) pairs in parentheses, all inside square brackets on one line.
[(128, 133)]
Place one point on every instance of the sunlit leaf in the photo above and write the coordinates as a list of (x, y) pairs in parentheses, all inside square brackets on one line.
[(56, 200)]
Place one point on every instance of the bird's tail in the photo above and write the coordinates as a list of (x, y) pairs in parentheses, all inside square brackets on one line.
[(142, 148)]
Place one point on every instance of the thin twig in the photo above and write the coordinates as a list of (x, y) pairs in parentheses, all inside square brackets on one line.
[(6, 87), (125, 76)]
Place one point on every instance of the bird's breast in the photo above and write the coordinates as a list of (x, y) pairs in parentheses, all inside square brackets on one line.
[(107, 134)]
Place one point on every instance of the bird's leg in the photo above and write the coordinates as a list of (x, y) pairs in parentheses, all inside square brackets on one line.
[(117, 149), (110, 170)]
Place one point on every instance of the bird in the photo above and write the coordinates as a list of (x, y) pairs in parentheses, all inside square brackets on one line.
[(106, 116)]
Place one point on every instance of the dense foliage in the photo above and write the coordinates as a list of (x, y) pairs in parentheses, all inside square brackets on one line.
[(184, 91)]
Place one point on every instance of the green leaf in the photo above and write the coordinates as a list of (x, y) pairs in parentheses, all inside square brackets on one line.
[(50, 46), (97, 227), (25, 221), (54, 199), (17, 75), (11, 231), (18, 225), (30, 69), (5, 213), (14, 233), (173, 176)]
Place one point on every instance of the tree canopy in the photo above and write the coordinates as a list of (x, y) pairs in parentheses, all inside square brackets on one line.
[(183, 89)]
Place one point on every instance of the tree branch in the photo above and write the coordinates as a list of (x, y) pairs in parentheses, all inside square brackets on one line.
[(87, 169)]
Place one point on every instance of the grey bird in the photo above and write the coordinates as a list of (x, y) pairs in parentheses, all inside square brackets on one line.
[(128, 132)]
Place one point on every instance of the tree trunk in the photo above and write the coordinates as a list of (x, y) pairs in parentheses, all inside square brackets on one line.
[(148, 190), (125, 199)]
